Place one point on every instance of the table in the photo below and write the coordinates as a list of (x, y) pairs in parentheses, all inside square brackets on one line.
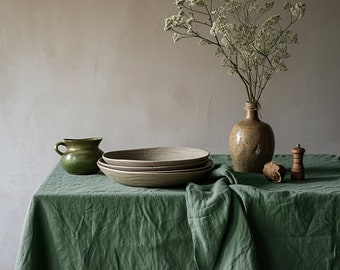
[(228, 220)]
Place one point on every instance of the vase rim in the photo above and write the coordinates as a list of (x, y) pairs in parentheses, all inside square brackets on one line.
[(252, 106)]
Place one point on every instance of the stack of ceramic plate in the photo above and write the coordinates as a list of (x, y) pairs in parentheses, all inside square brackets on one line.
[(156, 167)]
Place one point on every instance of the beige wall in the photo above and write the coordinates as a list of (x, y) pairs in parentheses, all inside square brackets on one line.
[(81, 68)]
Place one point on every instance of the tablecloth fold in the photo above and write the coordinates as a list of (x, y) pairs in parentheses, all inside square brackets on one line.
[(221, 235)]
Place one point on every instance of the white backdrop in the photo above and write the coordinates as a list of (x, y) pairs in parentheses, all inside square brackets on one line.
[(83, 68)]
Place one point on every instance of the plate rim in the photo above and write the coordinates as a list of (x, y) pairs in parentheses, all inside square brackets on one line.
[(148, 163), (186, 166)]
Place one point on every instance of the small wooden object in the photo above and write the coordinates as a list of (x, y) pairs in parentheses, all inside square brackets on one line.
[(274, 172), (298, 170)]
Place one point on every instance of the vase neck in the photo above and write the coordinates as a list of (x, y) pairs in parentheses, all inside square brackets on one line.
[(252, 111)]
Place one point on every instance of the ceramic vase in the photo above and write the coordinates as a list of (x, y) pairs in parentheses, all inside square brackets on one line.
[(81, 155), (251, 142)]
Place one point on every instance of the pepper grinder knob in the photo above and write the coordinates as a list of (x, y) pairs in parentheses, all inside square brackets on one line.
[(298, 170)]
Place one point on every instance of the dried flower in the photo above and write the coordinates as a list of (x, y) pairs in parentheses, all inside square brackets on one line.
[(251, 43), (298, 10)]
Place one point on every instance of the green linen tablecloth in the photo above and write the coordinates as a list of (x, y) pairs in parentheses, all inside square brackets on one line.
[(226, 221)]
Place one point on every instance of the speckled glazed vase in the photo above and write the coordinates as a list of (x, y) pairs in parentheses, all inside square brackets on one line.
[(81, 155), (251, 142)]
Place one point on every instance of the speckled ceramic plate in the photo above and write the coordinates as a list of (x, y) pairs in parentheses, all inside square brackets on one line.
[(154, 157), (157, 178)]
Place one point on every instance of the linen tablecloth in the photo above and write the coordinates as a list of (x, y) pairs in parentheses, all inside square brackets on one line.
[(227, 220)]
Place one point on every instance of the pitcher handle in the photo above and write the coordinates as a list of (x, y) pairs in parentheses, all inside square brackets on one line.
[(56, 147)]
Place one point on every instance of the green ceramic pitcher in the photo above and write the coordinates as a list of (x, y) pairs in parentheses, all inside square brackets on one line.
[(81, 155)]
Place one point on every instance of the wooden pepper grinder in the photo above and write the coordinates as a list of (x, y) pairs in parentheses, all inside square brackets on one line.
[(298, 171)]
